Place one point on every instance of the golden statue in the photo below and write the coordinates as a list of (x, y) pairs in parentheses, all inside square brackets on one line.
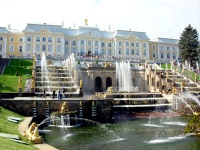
[(80, 103), (29, 132), (81, 83), (20, 82), (86, 22), (33, 73), (34, 104), (64, 107), (47, 104), (36, 138), (93, 104), (32, 134), (109, 90), (33, 83)]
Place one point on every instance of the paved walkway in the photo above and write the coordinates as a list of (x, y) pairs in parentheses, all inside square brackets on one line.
[(23, 126)]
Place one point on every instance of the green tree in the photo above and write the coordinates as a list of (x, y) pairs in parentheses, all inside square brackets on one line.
[(188, 45)]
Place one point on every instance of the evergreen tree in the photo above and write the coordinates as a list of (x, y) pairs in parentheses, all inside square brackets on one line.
[(188, 45)]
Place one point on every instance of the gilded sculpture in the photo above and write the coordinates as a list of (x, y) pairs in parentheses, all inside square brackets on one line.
[(32, 134), (20, 82)]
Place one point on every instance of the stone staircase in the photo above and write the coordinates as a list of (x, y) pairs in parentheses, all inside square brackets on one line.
[(3, 63)]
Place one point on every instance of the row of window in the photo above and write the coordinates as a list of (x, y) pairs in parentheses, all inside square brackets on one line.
[(11, 39), (162, 48), (162, 55)]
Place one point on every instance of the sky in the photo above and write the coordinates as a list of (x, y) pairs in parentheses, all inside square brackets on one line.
[(158, 18)]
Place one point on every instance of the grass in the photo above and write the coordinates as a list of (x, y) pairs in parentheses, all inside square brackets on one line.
[(187, 73), (10, 77), (11, 128)]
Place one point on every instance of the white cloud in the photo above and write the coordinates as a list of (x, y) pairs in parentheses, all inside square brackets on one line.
[(158, 18)]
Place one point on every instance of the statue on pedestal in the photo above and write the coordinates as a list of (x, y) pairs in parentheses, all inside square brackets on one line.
[(20, 82)]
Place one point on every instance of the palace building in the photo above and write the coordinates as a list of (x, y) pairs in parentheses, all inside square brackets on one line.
[(58, 41)]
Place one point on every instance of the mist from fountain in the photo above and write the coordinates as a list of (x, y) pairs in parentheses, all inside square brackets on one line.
[(45, 73), (182, 99), (70, 63), (123, 76)]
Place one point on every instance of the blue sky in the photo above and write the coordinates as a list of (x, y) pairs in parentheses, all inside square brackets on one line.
[(158, 18)]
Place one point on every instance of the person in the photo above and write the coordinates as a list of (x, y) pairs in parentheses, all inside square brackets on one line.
[(60, 94), (54, 94), (63, 92), (44, 93)]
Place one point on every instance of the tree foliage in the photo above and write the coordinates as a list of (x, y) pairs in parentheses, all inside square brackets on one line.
[(189, 45)]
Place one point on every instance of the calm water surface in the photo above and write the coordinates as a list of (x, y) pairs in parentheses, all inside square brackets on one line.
[(143, 134)]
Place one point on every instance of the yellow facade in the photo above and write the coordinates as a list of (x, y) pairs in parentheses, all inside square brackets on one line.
[(59, 42)]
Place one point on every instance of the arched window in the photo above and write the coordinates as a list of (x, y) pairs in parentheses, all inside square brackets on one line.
[(12, 39), (161, 55), (66, 50), (28, 47), (109, 44), (1, 38), (144, 45), (49, 39), (43, 47), (174, 48), (37, 47), (161, 47), (145, 52), (168, 48), (38, 39), (29, 38), (59, 39), (168, 55), (96, 51), (154, 54), (102, 44), (44, 39), (132, 52), (58, 49), (74, 43), (96, 43), (127, 51), (20, 39), (137, 44), (1, 48), (109, 52), (82, 42), (137, 52), (120, 43), (127, 43), (154, 47), (132, 44), (20, 48), (174, 55), (89, 42), (74, 50), (120, 51), (82, 51), (49, 48), (102, 52), (11, 48), (66, 42)]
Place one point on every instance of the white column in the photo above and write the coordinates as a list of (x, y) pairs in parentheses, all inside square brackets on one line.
[(34, 42), (62, 46), (24, 45), (5, 47), (99, 47), (116, 47), (53, 46), (79, 46)]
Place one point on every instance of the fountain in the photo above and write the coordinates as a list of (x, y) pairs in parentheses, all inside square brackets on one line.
[(53, 75), (123, 76)]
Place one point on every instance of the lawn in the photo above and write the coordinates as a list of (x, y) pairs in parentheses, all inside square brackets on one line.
[(11, 128), (10, 77)]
